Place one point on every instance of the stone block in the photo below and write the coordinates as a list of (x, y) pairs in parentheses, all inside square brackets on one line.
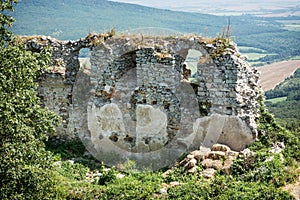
[(199, 155), (220, 147), (217, 155), (208, 173), (210, 163), (227, 166)]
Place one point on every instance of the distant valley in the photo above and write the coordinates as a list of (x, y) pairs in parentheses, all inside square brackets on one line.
[(269, 8), (264, 40)]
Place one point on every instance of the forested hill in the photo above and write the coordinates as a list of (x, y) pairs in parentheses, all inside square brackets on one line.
[(73, 19), (284, 102)]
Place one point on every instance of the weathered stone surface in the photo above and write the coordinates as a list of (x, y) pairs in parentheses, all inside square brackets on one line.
[(208, 173), (198, 155), (246, 153), (192, 163), (216, 155), (217, 160), (109, 124), (210, 163), (277, 147), (163, 191), (226, 168), (224, 129), (232, 154), (174, 183), (151, 122), (220, 147), (193, 170)]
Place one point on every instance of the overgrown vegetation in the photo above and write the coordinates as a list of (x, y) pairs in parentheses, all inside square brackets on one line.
[(25, 165)]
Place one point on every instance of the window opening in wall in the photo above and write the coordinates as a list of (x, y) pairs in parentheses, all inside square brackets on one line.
[(189, 67), (84, 58)]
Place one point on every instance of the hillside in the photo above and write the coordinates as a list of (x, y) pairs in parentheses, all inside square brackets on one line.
[(233, 7), (33, 166), (284, 101), (73, 19), (273, 74)]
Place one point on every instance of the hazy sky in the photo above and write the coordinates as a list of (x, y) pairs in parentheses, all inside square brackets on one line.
[(217, 5)]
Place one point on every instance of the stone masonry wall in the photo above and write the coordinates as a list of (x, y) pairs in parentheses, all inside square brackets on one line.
[(138, 95), (57, 82)]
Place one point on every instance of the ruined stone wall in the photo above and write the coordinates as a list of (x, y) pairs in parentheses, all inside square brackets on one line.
[(57, 82), (225, 87), (139, 96)]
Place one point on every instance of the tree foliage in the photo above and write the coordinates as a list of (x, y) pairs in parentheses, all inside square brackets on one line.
[(5, 19), (25, 165)]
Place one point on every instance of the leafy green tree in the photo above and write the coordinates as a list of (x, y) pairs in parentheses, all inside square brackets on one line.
[(25, 165), (5, 19)]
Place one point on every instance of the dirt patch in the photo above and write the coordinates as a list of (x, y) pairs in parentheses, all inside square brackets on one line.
[(273, 74), (294, 188)]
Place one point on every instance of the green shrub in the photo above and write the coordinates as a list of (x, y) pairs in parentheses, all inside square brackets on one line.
[(191, 189), (25, 165), (67, 149), (134, 186), (231, 188), (273, 133), (108, 175), (73, 171)]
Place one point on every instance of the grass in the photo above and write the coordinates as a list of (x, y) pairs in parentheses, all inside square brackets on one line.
[(292, 27), (244, 49), (256, 56), (257, 64), (295, 58), (289, 21), (276, 100)]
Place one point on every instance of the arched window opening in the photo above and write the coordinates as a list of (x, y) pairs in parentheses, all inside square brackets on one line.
[(189, 67)]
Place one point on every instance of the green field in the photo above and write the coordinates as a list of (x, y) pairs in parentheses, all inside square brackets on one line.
[(192, 60), (290, 25), (257, 64), (256, 56), (295, 58), (291, 21), (245, 49), (276, 100)]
